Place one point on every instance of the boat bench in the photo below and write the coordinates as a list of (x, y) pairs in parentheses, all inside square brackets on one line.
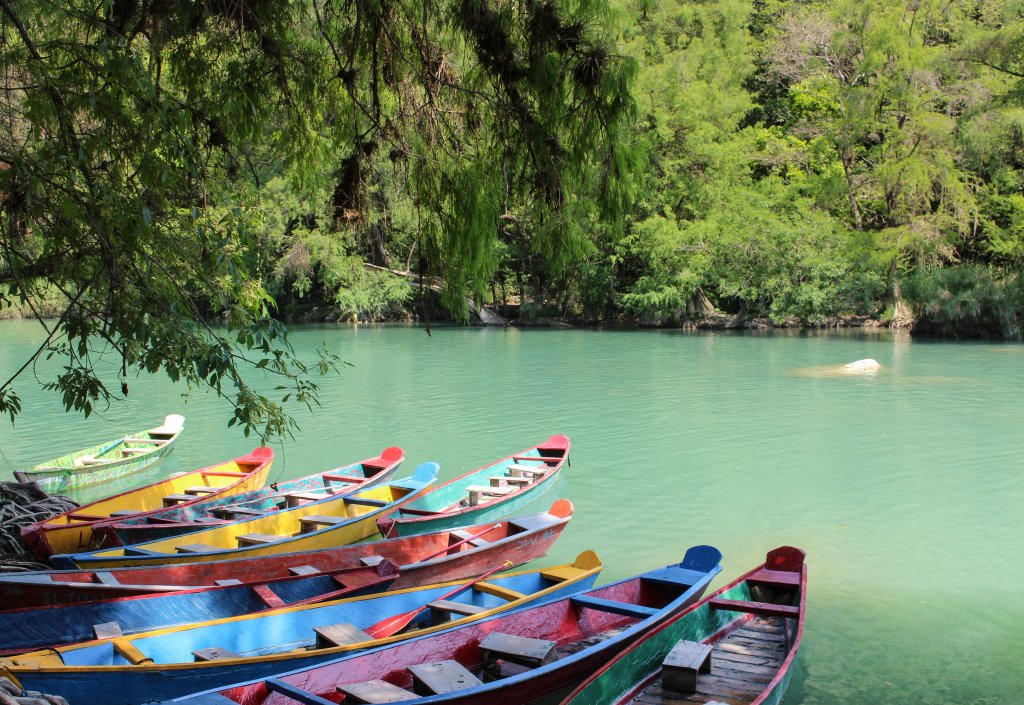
[(536, 458), (89, 460), (441, 677), (327, 477), (257, 539), (303, 570), (461, 535), (134, 451), (511, 480), (213, 653), (441, 610), (227, 582), (681, 667), (196, 548), (174, 499), (233, 512), (154, 441), (762, 609), (339, 635), (515, 649), (478, 491), (775, 578), (105, 578), (625, 609), (107, 630), (313, 522), (515, 470), (674, 576), (125, 513), (297, 499), (371, 561), (375, 691), (202, 489)]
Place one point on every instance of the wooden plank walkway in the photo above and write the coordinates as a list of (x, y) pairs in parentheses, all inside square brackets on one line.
[(741, 665)]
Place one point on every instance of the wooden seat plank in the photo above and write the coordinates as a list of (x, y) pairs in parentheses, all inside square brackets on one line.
[(257, 539), (441, 677), (375, 691), (442, 610), (366, 501), (213, 653), (107, 630), (196, 548), (314, 521), (764, 609), (516, 649), (340, 635), (775, 577), (201, 489), (295, 499), (303, 570), (269, 597), (680, 669), (173, 499)]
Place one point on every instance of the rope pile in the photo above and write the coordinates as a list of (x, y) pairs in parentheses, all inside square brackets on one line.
[(21, 504)]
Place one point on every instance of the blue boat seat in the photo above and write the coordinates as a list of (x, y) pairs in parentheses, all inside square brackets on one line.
[(626, 609), (674, 576)]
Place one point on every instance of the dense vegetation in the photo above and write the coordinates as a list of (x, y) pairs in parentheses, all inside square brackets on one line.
[(164, 164), (799, 161)]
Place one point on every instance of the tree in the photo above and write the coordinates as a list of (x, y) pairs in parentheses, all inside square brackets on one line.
[(140, 137)]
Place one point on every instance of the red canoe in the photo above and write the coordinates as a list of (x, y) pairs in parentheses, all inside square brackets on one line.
[(429, 558)]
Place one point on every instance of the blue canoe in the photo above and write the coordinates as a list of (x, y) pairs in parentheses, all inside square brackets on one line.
[(168, 663), (41, 627), (531, 655)]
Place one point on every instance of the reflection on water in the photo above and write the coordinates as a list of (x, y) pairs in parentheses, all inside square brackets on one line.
[(905, 488)]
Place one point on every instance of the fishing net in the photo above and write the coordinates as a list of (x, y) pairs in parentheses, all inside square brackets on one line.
[(21, 504)]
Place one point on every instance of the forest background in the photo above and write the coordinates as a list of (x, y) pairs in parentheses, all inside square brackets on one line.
[(643, 161)]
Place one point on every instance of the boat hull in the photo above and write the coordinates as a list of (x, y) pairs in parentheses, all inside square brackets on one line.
[(424, 559), (356, 521), (447, 505), (82, 529), (67, 474), (177, 521), (82, 682)]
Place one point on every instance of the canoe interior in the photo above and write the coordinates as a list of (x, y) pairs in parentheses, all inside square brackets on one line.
[(80, 529), (178, 520), (348, 519), (573, 626), (284, 631), (425, 558), (742, 666), (465, 499), (109, 460), (34, 628), (752, 626)]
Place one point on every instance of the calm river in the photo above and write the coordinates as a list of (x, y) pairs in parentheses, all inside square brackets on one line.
[(906, 488)]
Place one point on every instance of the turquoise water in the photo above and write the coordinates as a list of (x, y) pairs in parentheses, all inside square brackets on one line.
[(905, 488)]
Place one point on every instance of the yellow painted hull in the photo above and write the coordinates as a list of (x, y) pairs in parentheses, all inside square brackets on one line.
[(73, 531), (583, 571), (358, 521)]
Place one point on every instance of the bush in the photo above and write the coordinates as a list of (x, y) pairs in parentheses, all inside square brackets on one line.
[(967, 301)]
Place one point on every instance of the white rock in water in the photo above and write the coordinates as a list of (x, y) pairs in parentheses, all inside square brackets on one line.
[(860, 367)]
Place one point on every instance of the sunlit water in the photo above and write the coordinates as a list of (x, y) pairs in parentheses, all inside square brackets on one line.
[(904, 487)]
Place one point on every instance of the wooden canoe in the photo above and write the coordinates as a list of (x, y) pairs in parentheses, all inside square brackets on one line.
[(46, 627), (735, 646), (183, 519), (106, 461), (438, 557), (172, 662), (484, 494), (333, 521), (79, 529), (531, 654)]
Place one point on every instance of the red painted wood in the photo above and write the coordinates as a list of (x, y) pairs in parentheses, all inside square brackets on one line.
[(420, 558), (766, 609)]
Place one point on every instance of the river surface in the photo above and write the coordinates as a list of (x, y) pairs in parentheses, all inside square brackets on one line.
[(905, 488)]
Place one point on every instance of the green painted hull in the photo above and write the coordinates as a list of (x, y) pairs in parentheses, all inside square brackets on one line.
[(644, 659), (106, 461)]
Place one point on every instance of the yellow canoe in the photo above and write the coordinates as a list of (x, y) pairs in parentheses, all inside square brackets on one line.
[(334, 521), (73, 530)]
